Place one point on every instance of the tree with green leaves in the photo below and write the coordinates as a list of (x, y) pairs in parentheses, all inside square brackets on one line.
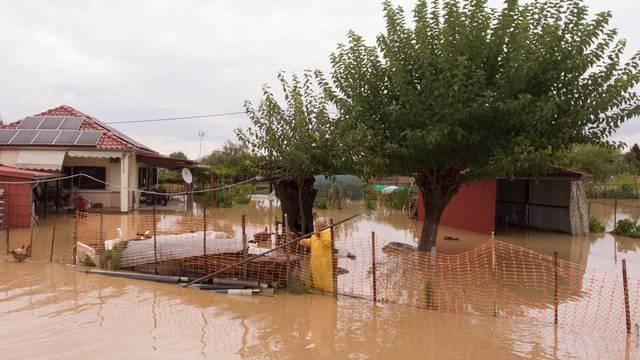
[(633, 158), (233, 162), (468, 91), (294, 142), (178, 155), (601, 162)]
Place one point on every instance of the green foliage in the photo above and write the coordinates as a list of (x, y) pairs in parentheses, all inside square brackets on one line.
[(178, 155), (370, 197), (114, 255), (595, 226), (602, 162), (297, 286), (232, 163), (465, 90), (298, 140), (626, 227), (351, 186), (472, 88), (398, 200), (320, 203), (334, 200), (88, 262)]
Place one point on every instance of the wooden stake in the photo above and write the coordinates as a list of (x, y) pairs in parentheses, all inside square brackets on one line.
[(101, 242), (53, 239), (285, 233), (555, 287), (8, 236), (373, 267), (244, 245), (334, 260), (155, 248), (625, 286)]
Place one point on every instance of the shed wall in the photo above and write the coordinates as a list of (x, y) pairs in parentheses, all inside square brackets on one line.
[(471, 209)]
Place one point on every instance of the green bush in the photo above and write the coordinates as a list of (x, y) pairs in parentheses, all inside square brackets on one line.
[(595, 226), (334, 200), (398, 200), (625, 227), (320, 203), (370, 197), (114, 255)]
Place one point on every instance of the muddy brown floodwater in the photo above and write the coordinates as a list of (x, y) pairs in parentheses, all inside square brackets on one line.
[(53, 311)]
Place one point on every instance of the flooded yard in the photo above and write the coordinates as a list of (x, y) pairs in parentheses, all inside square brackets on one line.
[(48, 309)]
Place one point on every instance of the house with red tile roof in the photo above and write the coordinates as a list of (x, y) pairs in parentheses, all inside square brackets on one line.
[(69, 142)]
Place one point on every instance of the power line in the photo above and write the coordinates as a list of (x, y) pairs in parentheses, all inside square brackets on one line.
[(177, 118)]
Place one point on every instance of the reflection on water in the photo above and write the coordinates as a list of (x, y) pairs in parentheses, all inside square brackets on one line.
[(48, 308)]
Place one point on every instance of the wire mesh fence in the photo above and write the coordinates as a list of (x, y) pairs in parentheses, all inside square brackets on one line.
[(496, 278)]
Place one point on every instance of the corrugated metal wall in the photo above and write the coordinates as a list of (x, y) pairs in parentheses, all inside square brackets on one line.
[(19, 201), (471, 209)]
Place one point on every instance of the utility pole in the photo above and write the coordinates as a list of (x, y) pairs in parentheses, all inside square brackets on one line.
[(201, 135)]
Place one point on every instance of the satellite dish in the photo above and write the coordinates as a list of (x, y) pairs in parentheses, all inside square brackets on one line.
[(186, 176)]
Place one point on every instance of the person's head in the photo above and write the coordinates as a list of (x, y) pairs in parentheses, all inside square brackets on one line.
[(319, 223)]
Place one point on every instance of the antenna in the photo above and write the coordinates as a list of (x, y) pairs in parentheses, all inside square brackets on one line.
[(201, 135)]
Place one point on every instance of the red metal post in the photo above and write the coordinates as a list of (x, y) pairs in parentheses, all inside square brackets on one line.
[(155, 249), (555, 287)]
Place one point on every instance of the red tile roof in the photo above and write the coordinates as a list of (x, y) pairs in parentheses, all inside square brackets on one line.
[(111, 139)]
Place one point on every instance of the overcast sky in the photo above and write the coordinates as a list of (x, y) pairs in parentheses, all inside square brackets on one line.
[(129, 60)]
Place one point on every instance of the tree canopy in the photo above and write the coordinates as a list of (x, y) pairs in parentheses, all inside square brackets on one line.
[(466, 91), (293, 142), (599, 161), (233, 161), (178, 155)]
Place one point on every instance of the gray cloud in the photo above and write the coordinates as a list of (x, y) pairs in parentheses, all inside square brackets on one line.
[(125, 60)]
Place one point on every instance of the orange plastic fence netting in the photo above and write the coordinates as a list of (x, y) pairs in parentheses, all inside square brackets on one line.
[(495, 278)]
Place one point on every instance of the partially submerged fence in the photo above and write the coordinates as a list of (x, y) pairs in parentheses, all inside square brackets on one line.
[(495, 279)]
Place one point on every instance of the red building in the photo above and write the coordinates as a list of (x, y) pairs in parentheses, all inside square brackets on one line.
[(16, 209), (554, 202)]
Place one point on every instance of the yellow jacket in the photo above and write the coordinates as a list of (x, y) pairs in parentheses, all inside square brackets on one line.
[(321, 260)]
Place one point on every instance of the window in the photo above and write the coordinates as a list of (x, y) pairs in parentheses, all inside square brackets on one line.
[(142, 177), (99, 173)]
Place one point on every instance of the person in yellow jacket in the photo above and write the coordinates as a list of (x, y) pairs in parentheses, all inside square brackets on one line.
[(321, 257)]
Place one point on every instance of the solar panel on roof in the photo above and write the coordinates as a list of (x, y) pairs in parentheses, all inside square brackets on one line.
[(71, 123), (30, 122), (46, 137), (6, 136), (89, 137), (67, 137), (51, 122), (24, 137)]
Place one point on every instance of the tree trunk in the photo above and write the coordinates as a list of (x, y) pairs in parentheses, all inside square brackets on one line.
[(437, 188), (298, 208)]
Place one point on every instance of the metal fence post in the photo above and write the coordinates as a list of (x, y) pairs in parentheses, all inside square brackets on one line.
[(204, 225), (555, 287), (615, 212), (625, 286), (285, 234), (101, 242), (75, 239), (244, 244), (334, 260), (155, 248), (373, 267), (53, 239)]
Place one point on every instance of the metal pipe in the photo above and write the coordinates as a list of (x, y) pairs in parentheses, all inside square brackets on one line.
[(625, 286), (139, 276), (53, 239), (555, 287), (334, 260), (204, 220), (155, 248), (373, 267), (207, 277), (285, 233), (244, 244)]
